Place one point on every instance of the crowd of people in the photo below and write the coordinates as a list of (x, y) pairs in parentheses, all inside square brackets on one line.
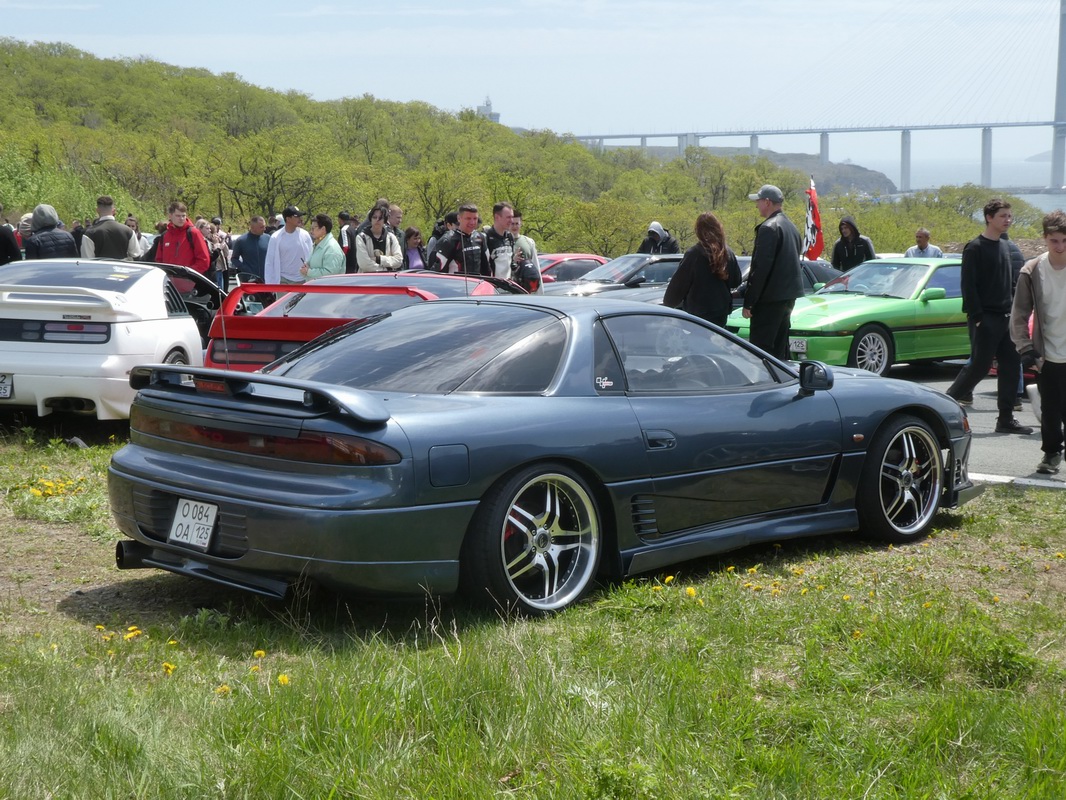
[(1016, 310), (279, 249)]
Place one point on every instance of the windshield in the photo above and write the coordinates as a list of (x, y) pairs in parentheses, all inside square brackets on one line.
[(439, 348), (615, 271), (879, 279)]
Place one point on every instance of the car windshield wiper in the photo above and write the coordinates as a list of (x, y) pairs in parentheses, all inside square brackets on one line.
[(289, 306)]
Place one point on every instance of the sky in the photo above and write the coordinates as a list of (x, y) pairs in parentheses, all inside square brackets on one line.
[(604, 67)]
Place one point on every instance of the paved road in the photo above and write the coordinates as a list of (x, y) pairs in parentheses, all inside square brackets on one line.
[(994, 457)]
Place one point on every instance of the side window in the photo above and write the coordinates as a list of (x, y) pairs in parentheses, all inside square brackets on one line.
[(668, 354), (608, 376), (947, 278)]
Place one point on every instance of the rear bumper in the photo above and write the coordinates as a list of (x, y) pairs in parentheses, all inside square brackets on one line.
[(265, 547)]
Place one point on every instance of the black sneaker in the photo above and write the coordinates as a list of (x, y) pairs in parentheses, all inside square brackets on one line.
[(1011, 425), (966, 401)]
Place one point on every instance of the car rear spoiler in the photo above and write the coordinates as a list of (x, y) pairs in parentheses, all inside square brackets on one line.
[(46, 297), (238, 292), (309, 396)]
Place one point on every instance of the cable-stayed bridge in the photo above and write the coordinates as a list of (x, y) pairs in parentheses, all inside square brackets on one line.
[(1056, 179)]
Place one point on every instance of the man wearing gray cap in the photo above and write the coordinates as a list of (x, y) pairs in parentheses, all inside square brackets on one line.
[(774, 278)]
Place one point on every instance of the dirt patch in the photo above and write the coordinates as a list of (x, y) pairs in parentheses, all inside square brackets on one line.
[(54, 568)]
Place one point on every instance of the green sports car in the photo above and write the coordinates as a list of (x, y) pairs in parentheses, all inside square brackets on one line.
[(880, 313)]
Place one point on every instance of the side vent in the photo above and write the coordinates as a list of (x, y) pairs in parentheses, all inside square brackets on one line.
[(642, 508)]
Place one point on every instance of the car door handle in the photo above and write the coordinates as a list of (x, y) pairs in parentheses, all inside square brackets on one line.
[(659, 440)]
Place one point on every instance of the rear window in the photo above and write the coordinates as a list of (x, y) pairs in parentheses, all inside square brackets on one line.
[(439, 348), (341, 306), (85, 274)]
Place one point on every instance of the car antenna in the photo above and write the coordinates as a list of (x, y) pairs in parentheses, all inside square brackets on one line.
[(222, 318)]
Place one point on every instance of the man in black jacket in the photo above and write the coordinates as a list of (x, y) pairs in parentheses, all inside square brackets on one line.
[(9, 246), (774, 277), (987, 295)]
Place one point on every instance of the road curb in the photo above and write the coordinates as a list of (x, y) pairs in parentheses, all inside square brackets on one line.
[(1039, 483)]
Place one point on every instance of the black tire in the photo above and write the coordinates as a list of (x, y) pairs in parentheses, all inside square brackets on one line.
[(176, 357), (872, 350), (534, 543), (902, 481)]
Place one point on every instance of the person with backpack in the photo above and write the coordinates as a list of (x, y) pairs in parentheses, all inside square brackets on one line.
[(181, 244)]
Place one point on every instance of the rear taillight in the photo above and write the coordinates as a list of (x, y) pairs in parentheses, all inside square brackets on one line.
[(243, 352), (310, 447)]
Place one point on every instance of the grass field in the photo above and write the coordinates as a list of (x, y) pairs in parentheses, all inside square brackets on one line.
[(827, 668)]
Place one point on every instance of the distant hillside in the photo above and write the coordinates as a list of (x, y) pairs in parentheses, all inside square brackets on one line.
[(829, 178)]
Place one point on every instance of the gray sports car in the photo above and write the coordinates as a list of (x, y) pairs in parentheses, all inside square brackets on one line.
[(518, 448)]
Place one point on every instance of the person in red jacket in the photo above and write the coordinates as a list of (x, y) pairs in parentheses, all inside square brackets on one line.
[(182, 244)]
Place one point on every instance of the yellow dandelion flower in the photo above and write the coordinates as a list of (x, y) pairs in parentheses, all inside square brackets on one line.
[(1060, 555), (856, 634), (756, 588), (168, 668), (820, 587), (259, 654), (132, 628), (752, 570), (283, 679), (846, 598), (656, 588), (730, 568), (777, 545), (254, 668), (36, 492), (927, 604), (910, 569), (872, 593), (1047, 568), (172, 642), (49, 484), (700, 601), (690, 591), (108, 637), (99, 627), (223, 689), (132, 635), (995, 598), (775, 592), (797, 571), (803, 591), (748, 585), (668, 579)]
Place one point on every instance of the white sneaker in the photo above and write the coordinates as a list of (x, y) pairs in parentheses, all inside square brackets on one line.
[(1049, 464)]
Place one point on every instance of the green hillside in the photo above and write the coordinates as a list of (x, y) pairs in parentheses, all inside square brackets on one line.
[(73, 126)]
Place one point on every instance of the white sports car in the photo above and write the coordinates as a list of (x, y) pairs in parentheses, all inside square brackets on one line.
[(71, 330)]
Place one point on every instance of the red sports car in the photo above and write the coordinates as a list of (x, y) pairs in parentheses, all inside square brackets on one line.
[(246, 342)]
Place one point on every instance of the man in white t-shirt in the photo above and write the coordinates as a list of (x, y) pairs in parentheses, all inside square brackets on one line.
[(288, 250), (1038, 330)]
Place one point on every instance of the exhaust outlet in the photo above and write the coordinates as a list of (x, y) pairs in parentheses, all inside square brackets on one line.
[(131, 555)]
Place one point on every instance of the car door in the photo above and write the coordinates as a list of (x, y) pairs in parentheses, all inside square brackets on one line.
[(724, 436), (941, 325)]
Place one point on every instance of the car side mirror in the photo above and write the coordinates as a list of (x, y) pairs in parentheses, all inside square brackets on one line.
[(814, 377), (635, 281), (934, 293)]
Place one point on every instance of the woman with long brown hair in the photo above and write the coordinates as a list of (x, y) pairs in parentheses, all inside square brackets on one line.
[(706, 275)]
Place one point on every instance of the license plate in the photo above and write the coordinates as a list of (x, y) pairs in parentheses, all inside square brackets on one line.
[(7, 385), (194, 522), (797, 345)]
